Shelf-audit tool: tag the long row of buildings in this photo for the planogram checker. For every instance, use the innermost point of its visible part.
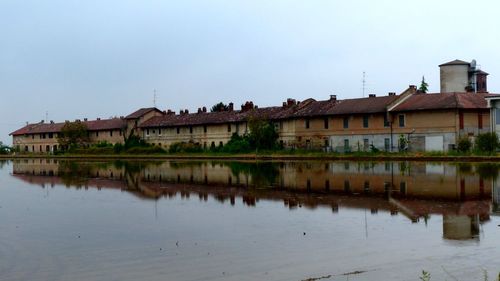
(427, 122)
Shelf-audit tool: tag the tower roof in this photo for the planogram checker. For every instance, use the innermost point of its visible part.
(455, 62)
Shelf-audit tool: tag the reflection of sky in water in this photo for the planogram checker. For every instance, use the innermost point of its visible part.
(111, 233)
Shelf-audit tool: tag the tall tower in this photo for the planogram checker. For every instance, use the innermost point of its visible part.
(461, 76)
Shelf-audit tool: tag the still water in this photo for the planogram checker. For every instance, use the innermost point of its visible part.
(202, 220)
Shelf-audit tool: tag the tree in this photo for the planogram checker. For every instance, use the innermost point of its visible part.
(424, 87)
(73, 134)
(262, 134)
(487, 142)
(219, 107)
(4, 149)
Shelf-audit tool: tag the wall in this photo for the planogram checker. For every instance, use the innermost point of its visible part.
(454, 78)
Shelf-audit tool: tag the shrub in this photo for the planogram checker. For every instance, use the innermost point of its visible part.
(118, 148)
(464, 144)
(180, 147)
(146, 150)
(487, 142)
(237, 144)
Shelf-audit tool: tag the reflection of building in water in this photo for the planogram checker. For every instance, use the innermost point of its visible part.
(416, 190)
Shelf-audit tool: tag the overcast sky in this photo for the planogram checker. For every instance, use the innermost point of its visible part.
(102, 58)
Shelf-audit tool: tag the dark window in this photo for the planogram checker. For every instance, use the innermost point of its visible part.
(402, 187)
(111, 133)
(347, 186)
(366, 187)
(33, 137)
(191, 129)
(479, 120)
(461, 120)
(365, 121)
(51, 135)
(346, 122)
(26, 148)
(96, 134)
(346, 144)
(178, 130)
(204, 128)
(120, 131)
(147, 132)
(401, 120)
(386, 120)
(307, 123)
(229, 127)
(325, 123)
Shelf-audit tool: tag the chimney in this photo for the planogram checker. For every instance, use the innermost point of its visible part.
(98, 119)
(231, 106)
(247, 106)
(85, 119)
(333, 97)
(204, 109)
(51, 121)
(392, 94)
(199, 110)
(43, 121)
(186, 111)
(371, 95)
(181, 112)
(413, 87)
(284, 104)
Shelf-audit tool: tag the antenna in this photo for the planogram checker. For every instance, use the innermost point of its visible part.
(46, 116)
(154, 97)
(364, 83)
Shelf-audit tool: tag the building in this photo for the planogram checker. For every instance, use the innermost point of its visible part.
(411, 120)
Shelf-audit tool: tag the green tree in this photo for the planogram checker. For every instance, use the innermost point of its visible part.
(4, 149)
(262, 134)
(424, 87)
(487, 142)
(219, 107)
(73, 134)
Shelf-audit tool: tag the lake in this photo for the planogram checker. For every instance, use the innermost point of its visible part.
(223, 220)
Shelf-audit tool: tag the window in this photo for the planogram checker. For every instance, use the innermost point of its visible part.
(26, 148)
(346, 122)
(401, 119)
(307, 123)
(308, 144)
(325, 123)
(147, 132)
(479, 121)
(386, 120)
(365, 121)
(228, 128)
(159, 132)
(120, 132)
(366, 187)
(178, 130)
(204, 128)
(366, 144)
(461, 119)
(387, 144)
(154, 131)
(51, 135)
(190, 129)
(96, 134)
(111, 133)
(347, 186)
(402, 187)
(32, 137)
(346, 144)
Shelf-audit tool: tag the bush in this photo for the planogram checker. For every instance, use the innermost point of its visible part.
(464, 144)
(180, 147)
(487, 142)
(118, 148)
(146, 150)
(237, 144)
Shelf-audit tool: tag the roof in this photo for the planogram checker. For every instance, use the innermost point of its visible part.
(92, 125)
(443, 101)
(455, 62)
(363, 105)
(141, 112)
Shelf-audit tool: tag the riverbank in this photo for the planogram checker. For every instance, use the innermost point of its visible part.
(271, 157)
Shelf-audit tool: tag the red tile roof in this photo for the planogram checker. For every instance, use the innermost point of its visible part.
(363, 105)
(140, 112)
(92, 125)
(443, 101)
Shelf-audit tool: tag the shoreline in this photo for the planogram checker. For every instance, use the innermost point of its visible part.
(259, 157)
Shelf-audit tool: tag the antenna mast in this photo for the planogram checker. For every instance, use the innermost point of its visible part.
(46, 116)
(154, 97)
(364, 83)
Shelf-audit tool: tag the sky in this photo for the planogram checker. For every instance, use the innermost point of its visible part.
(72, 59)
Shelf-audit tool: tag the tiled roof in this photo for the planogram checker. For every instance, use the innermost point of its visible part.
(139, 113)
(455, 62)
(443, 101)
(93, 125)
(362, 105)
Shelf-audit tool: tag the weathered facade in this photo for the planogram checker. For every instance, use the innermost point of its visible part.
(411, 120)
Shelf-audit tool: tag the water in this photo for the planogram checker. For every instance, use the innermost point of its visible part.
(197, 220)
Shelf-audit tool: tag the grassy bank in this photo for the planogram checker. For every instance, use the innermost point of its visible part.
(278, 155)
